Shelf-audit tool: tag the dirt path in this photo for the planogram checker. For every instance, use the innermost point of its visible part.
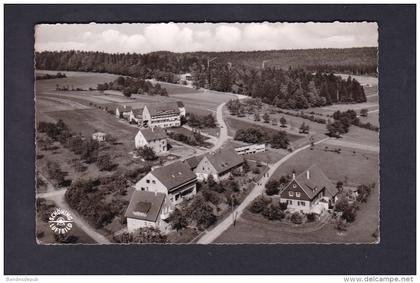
(58, 197)
(213, 234)
(353, 145)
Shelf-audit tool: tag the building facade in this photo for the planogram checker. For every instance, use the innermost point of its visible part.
(175, 180)
(163, 115)
(309, 192)
(154, 138)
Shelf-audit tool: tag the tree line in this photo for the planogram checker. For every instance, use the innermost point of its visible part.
(292, 88)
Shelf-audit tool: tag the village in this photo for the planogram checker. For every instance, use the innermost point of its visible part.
(197, 174)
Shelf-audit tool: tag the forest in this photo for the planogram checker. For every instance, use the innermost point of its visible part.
(292, 79)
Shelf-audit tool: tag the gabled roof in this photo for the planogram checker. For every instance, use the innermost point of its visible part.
(145, 205)
(138, 112)
(125, 108)
(174, 175)
(153, 134)
(224, 160)
(193, 161)
(163, 108)
(316, 182)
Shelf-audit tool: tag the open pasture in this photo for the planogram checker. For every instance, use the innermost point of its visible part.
(91, 120)
(84, 80)
(358, 167)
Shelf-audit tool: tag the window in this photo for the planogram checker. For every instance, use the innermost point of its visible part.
(298, 194)
(294, 186)
(153, 182)
(290, 202)
(302, 203)
(290, 193)
(148, 181)
(142, 188)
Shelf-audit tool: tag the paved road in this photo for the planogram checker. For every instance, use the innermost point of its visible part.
(223, 135)
(213, 234)
(57, 196)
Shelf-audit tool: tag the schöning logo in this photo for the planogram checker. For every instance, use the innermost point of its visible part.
(60, 221)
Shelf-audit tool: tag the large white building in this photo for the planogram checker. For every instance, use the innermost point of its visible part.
(175, 180)
(163, 115)
(154, 138)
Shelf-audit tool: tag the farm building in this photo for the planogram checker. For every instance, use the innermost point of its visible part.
(154, 137)
(175, 180)
(99, 136)
(249, 149)
(123, 111)
(163, 115)
(220, 164)
(136, 116)
(186, 79)
(147, 209)
(311, 191)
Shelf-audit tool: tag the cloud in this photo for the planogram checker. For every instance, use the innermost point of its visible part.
(175, 37)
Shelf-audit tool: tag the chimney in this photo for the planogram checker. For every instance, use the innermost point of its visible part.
(155, 193)
(293, 175)
(308, 175)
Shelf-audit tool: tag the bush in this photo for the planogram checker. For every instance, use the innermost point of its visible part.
(296, 218)
(147, 153)
(273, 212)
(272, 187)
(259, 204)
(311, 217)
(104, 163)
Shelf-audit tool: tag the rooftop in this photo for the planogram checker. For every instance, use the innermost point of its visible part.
(145, 205)
(153, 134)
(223, 160)
(163, 108)
(174, 174)
(313, 180)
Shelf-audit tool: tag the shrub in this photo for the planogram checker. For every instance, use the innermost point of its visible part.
(259, 204)
(311, 217)
(272, 187)
(296, 218)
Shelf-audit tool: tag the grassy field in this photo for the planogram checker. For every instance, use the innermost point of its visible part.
(356, 168)
(235, 124)
(359, 167)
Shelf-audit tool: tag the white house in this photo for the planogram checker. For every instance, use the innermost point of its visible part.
(311, 191)
(220, 164)
(147, 209)
(123, 111)
(186, 79)
(99, 136)
(163, 114)
(155, 138)
(175, 180)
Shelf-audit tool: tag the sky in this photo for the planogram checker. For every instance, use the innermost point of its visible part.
(188, 37)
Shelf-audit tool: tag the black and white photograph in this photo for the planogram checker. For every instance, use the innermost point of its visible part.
(247, 141)
(200, 133)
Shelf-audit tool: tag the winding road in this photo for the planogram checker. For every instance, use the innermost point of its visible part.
(213, 234)
(58, 197)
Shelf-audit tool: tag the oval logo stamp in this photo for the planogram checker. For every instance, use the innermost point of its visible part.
(60, 221)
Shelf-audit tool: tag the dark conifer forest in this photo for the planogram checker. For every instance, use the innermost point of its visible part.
(292, 79)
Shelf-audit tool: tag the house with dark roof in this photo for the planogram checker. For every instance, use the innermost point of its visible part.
(136, 116)
(147, 209)
(192, 162)
(162, 114)
(175, 180)
(155, 138)
(123, 111)
(311, 191)
(219, 164)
